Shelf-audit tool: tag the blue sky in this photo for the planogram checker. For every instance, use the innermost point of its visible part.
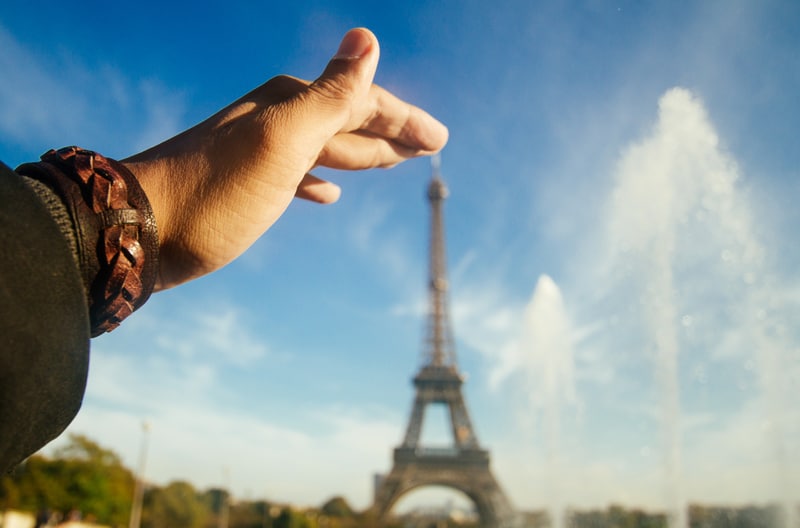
(621, 239)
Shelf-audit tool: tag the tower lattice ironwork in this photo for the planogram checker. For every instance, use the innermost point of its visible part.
(464, 465)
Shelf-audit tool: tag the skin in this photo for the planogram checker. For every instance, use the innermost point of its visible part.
(217, 187)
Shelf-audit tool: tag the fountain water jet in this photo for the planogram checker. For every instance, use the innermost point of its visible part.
(681, 234)
(548, 367)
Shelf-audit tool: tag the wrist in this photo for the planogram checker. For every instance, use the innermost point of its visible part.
(115, 230)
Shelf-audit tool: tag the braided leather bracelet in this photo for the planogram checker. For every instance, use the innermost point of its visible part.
(114, 227)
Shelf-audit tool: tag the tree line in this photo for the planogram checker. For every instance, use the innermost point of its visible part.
(84, 479)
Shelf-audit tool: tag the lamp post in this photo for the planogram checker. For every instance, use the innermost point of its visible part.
(224, 505)
(138, 490)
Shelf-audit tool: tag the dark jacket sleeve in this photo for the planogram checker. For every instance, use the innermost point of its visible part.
(44, 325)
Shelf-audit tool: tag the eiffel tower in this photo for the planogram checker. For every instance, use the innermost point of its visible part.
(464, 466)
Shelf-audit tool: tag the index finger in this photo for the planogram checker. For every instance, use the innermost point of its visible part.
(389, 117)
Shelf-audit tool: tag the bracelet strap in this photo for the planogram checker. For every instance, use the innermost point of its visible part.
(114, 226)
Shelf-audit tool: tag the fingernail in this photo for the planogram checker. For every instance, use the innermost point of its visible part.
(355, 45)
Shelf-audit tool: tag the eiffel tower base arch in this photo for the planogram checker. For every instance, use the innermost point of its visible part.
(464, 470)
(464, 466)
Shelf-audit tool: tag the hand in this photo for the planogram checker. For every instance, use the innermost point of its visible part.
(217, 187)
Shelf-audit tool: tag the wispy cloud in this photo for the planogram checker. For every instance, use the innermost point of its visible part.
(150, 362)
(68, 102)
(375, 238)
(173, 371)
(262, 457)
(219, 333)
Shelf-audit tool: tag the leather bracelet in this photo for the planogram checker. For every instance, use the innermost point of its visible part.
(114, 226)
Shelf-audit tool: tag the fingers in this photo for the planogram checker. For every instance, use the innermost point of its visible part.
(344, 99)
(326, 106)
(379, 113)
(345, 120)
(389, 132)
(384, 131)
(318, 190)
(387, 116)
(363, 150)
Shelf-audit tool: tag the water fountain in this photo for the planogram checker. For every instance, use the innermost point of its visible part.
(682, 230)
(688, 275)
(548, 366)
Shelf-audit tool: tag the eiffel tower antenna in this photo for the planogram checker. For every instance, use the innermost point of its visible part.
(464, 465)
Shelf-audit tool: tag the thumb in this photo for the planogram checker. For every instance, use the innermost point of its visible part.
(331, 100)
(357, 56)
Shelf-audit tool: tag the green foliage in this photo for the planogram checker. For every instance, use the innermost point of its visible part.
(289, 518)
(742, 517)
(177, 504)
(83, 477)
(215, 498)
(617, 517)
(337, 507)
(337, 513)
(86, 477)
(249, 514)
(81, 448)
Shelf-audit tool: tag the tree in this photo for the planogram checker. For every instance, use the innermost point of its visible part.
(177, 504)
(250, 514)
(82, 476)
(337, 507)
(97, 481)
(34, 485)
(289, 518)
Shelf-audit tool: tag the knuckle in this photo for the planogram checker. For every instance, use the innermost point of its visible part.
(333, 89)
